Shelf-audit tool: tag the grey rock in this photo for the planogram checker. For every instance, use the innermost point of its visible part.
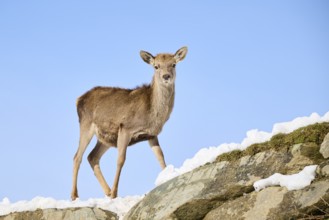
(194, 194)
(324, 149)
(254, 206)
(275, 203)
(325, 170)
(304, 154)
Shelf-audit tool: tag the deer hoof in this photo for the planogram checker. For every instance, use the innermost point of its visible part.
(114, 194)
(74, 197)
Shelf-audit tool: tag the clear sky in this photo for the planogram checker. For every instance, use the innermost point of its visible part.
(250, 64)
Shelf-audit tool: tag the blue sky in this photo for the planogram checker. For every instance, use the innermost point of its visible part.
(250, 64)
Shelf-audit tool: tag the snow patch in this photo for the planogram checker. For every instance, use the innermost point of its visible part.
(254, 136)
(120, 206)
(292, 182)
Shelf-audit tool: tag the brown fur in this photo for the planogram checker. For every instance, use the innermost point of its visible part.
(109, 108)
(122, 117)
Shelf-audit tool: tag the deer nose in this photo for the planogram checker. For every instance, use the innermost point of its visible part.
(166, 76)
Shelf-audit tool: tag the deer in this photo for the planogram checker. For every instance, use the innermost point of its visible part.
(121, 117)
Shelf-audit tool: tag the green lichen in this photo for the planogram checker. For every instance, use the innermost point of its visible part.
(231, 155)
(282, 142)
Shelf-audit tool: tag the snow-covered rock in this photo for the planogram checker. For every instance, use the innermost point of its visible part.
(225, 189)
(206, 155)
(103, 206)
(209, 188)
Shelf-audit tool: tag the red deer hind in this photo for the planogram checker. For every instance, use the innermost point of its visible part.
(122, 117)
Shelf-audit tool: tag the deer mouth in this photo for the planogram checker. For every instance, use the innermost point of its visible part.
(167, 82)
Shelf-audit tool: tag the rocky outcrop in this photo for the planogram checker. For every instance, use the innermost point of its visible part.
(224, 189)
(85, 213)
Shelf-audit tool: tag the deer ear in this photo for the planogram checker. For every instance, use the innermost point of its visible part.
(180, 54)
(147, 57)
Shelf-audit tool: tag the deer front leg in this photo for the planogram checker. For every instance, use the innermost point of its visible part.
(154, 143)
(122, 144)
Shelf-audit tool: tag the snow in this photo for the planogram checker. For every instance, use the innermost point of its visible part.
(120, 206)
(254, 136)
(205, 155)
(292, 182)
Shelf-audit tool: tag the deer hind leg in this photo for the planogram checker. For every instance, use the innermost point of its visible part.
(154, 143)
(122, 144)
(93, 158)
(86, 134)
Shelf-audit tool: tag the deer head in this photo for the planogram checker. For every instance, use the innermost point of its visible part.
(164, 65)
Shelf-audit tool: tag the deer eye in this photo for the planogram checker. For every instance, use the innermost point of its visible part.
(174, 65)
(157, 67)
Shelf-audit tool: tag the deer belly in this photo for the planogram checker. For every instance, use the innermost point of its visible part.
(140, 137)
(110, 137)
(107, 136)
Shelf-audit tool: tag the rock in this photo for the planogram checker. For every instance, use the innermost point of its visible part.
(275, 203)
(224, 189)
(253, 206)
(63, 214)
(304, 154)
(325, 170)
(194, 194)
(324, 149)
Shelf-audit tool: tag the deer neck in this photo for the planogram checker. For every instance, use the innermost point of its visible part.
(162, 102)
